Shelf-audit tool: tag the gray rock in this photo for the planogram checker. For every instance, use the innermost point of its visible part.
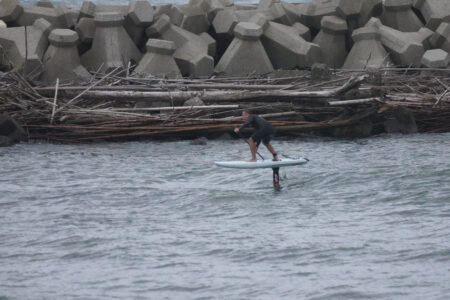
(361, 129)
(400, 120)
(196, 101)
(202, 141)
(320, 72)
(6, 141)
(11, 129)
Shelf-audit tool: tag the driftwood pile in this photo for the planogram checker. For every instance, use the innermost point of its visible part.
(115, 106)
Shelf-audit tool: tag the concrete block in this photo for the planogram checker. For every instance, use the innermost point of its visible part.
(140, 13)
(87, 10)
(212, 7)
(112, 47)
(369, 9)
(436, 58)
(332, 41)
(245, 6)
(402, 47)
(274, 10)
(64, 15)
(26, 56)
(224, 23)
(423, 36)
(316, 10)
(399, 15)
(10, 10)
(139, 16)
(302, 31)
(59, 17)
(189, 17)
(293, 12)
(160, 10)
(158, 61)
(285, 48)
(434, 12)
(367, 51)
(61, 60)
(194, 54)
(245, 15)
(246, 54)
(3, 24)
(119, 9)
(47, 4)
(441, 38)
(86, 30)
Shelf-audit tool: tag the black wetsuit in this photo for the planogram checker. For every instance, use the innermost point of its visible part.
(264, 130)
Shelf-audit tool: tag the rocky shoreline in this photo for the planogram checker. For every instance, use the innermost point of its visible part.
(346, 68)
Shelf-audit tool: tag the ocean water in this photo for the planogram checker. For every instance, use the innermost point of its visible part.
(364, 219)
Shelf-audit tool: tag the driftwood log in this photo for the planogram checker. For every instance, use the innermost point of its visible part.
(107, 108)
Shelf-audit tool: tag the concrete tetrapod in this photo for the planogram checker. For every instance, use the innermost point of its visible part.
(367, 52)
(331, 40)
(59, 17)
(286, 49)
(139, 17)
(158, 61)
(21, 54)
(316, 10)
(246, 54)
(434, 11)
(10, 10)
(112, 47)
(441, 38)
(436, 58)
(399, 15)
(194, 54)
(86, 31)
(190, 17)
(274, 11)
(404, 49)
(61, 60)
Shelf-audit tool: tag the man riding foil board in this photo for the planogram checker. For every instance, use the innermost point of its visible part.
(264, 131)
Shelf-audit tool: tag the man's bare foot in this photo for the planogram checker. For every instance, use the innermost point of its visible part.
(252, 160)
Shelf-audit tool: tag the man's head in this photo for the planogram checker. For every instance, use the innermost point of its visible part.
(245, 114)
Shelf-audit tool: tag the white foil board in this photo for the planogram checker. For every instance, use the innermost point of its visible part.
(285, 162)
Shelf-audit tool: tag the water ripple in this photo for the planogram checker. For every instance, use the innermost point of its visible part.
(363, 219)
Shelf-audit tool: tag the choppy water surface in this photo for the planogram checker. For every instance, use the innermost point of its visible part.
(364, 219)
